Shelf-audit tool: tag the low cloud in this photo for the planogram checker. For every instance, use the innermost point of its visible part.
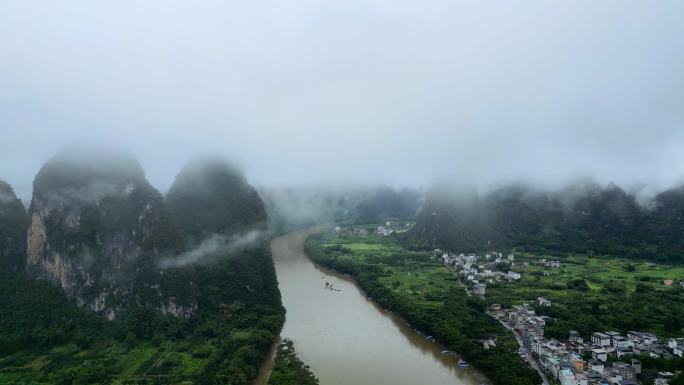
(297, 207)
(6, 197)
(214, 246)
(91, 192)
(357, 91)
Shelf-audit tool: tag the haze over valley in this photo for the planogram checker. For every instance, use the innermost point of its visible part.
(351, 192)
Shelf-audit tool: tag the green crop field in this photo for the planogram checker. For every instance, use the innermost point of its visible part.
(590, 293)
(419, 288)
(416, 276)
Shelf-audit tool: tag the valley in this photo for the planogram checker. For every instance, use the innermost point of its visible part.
(347, 338)
(424, 293)
(571, 293)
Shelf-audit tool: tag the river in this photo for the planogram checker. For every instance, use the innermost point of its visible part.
(347, 339)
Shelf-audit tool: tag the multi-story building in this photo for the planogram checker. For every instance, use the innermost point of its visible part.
(600, 339)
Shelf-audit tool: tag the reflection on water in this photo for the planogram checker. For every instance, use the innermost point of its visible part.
(346, 338)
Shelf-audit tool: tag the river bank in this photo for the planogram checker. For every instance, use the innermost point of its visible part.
(422, 291)
(348, 339)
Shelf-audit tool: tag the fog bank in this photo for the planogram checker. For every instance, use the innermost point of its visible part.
(358, 91)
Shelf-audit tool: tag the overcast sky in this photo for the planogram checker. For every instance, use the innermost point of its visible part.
(302, 91)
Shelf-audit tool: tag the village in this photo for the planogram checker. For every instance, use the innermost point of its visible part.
(493, 267)
(605, 358)
(390, 227)
(612, 354)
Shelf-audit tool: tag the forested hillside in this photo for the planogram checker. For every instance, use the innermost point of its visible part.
(13, 224)
(300, 207)
(586, 218)
(176, 319)
(209, 197)
(98, 230)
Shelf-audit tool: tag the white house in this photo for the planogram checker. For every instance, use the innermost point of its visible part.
(596, 366)
(513, 275)
(624, 351)
(621, 342)
(600, 339)
(543, 302)
(663, 378)
(678, 351)
(600, 355)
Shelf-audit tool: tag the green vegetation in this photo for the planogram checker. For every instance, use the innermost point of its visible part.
(584, 218)
(678, 380)
(598, 294)
(428, 296)
(289, 369)
(651, 366)
(13, 224)
(300, 207)
(46, 339)
(107, 226)
(227, 310)
(210, 197)
(384, 202)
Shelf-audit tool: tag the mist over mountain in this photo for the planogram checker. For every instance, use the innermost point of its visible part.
(209, 196)
(13, 224)
(355, 92)
(102, 261)
(302, 206)
(97, 229)
(584, 217)
(362, 135)
(219, 212)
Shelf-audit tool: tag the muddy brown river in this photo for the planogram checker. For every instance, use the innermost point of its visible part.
(347, 339)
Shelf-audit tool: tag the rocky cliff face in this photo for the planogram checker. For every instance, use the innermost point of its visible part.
(13, 222)
(97, 229)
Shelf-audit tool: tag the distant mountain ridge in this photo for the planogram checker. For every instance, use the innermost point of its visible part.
(299, 207)
(585, 218)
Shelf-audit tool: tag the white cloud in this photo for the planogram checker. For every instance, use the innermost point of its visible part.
(360, 90)
(215, 246)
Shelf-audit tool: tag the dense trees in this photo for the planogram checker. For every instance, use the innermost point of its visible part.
(300, 207)
(584, 218)
(459, 322)
(98, 229)
(288, 369)
(13, 224)
(382, 202)
(46, 338)
(210, 197)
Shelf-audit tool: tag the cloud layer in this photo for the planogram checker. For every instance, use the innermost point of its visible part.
(214, 247)
(354, 90)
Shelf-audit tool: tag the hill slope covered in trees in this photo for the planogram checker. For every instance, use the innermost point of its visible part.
(50, 335)
(586, 218)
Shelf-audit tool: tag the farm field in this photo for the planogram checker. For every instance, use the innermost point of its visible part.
(126, 365)
(590, 293)
(179, 361)
(417, 287)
